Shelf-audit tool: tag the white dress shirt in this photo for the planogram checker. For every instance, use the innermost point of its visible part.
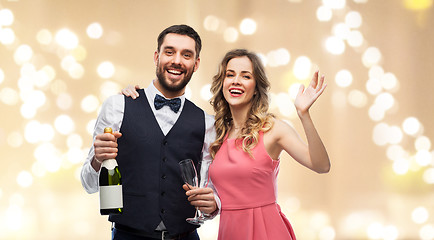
(111, 115)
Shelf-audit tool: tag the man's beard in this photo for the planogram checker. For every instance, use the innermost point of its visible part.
(165, 83)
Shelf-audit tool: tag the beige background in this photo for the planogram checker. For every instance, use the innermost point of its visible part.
(361, 198)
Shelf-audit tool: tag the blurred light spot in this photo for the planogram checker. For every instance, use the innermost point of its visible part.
(357, 98)
(230, 35)
(66, 38)
(334, 4)
(324, 14)
(76, 71)
(109, 88)
(35, 98)
(283, 103)
(23, 54)
(46, 132)
(376, 71)
(428, 176)
(24, 179)
(319, 220)
(419, 215)
(9, 96)
(64, 101)
(263, 58)
(335, 45)
(360, 1)
(418, 4)
(411, 126)
(44, 37)
(248, 26)
(278, 57)
(373, 86)
(75, 155)
(293, 90)
(90, 126)
(48, 156)
(46, 75)
(422, 143)
(344, 78)
(14, 216)
(390, 232)
(188, 93)
(327, 233)
(7, 36)
(211, 23)
(423, 158)
(106, 69)
(371, 56)
(74, 141)
(389, 81)
(31, 133)
(94, 30)
(67, 62)
(395, 135)
(385, 100)
(205, 92)
(6, 17)
(64, 124)
(353, 19)
(355, 38)
(89, 103)
(376, 112)
(292, 204)
(375, 230)
(79, 53)
(28, 111)
(15, 139)
(341, 30)
(2, 76)
(426, 232)
(401, 166)
(302, 67)
(395, 152)
(380, 135)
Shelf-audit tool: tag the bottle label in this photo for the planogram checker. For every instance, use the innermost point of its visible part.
(110, 197)
(110, 164)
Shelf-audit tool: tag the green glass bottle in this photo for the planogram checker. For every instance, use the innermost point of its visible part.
(110, 186)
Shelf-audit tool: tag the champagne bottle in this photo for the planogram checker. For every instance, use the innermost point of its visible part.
(110, 186)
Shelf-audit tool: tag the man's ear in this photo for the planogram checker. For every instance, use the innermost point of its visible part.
(196, 64)
(156, 57)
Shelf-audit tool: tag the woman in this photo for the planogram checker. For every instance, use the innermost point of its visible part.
(247, 149)
(248, 145)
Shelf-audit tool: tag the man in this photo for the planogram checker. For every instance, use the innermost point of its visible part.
(155, 134)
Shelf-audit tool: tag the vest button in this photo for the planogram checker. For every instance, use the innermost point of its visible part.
(165, 142)
(162, 193)
(164, 159)
(164, 176)
(163, 211)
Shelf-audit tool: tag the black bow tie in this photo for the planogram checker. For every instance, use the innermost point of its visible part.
(174, 103)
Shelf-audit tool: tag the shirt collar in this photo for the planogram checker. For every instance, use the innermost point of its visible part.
(151, 91)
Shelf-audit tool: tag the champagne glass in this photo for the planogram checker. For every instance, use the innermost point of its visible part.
(189, 175)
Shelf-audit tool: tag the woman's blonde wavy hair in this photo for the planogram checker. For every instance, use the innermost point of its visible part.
(258, 120)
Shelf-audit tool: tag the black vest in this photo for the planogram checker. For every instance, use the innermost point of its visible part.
(148, 162)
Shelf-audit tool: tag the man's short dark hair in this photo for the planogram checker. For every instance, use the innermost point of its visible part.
(182, 30)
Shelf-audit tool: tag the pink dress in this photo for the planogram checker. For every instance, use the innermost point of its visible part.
(247, 190)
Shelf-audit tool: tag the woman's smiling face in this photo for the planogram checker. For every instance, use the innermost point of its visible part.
(239, 84)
